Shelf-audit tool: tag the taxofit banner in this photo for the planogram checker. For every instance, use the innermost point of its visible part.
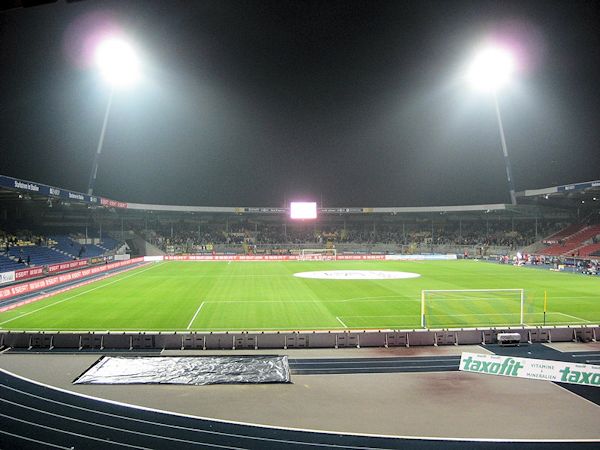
(535, 369)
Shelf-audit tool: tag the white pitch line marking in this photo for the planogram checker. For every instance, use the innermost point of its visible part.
(376, 299)
(77, 295)
(340, 321)
(194, 318)
(573, 317)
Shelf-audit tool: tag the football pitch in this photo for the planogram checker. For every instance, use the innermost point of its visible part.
(266, 296)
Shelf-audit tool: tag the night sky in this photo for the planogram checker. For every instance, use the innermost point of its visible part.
(256, 103)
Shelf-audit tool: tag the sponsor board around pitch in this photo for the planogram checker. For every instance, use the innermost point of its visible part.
(61, 267)
(7, 277)
(534, 369)
(112, 203)
(432, 257)
(31, 272)
(228, 257)
(31, 286)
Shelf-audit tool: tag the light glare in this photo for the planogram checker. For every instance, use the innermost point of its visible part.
(118, 62)
(491, 69)
(303, 210)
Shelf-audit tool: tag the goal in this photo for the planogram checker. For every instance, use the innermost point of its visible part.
(454, 308)
(317, 254)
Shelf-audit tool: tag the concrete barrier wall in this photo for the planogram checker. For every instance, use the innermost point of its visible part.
(283, 340)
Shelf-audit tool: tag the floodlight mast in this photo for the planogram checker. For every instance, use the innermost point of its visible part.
(507, 165)
(491, 69)
(119, 66)
(94, 172)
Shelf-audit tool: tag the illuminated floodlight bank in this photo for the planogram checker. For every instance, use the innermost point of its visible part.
(118, 61)
(492, 68)
(303, 210)
(119, 65)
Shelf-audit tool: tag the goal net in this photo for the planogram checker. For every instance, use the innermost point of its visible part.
(471, 308)
(317, 254)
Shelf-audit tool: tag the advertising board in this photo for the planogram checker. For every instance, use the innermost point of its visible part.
(7, 277)
(229, 257)
(535, 369)
(31, 272)
(32, 286)
(69, 265)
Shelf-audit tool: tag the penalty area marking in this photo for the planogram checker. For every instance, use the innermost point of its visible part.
(340, 321)
(574, 317)
(195, 315)
(555, 322)
(383, 298)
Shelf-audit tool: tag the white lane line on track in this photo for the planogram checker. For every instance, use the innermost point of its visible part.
(77, 295)
(194, 318)
(392, 361)
(356, 369)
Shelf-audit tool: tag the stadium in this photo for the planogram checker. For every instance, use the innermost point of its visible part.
(149, 324)
(218, 286)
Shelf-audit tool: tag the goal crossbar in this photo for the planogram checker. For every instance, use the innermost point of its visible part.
(519, 292)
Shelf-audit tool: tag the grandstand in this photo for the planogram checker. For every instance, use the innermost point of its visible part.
(589, 250)
(7, 263)
(553, 223)
(53, 249)
(79, 242)
(349, 323)
(38, 255)
(545, 222)
(572, 240)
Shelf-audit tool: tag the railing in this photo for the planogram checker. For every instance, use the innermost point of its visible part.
(289, 340)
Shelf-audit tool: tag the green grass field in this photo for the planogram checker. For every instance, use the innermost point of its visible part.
(220, 296)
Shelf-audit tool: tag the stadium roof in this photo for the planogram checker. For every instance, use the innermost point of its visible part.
(565, 197)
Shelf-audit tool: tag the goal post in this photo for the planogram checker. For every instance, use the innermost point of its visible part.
(318, 254)
(448, 308)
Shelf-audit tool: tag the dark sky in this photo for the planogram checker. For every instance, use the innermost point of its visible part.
(253, 103)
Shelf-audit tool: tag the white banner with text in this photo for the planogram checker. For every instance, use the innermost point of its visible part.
(536, 369)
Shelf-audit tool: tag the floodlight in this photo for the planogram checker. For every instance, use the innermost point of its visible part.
(117, 61)
(120, 66)
(491, 68)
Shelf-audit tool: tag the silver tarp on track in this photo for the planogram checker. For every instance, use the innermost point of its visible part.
(194, 370)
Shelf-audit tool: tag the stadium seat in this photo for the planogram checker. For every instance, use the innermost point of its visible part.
(572, 240)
